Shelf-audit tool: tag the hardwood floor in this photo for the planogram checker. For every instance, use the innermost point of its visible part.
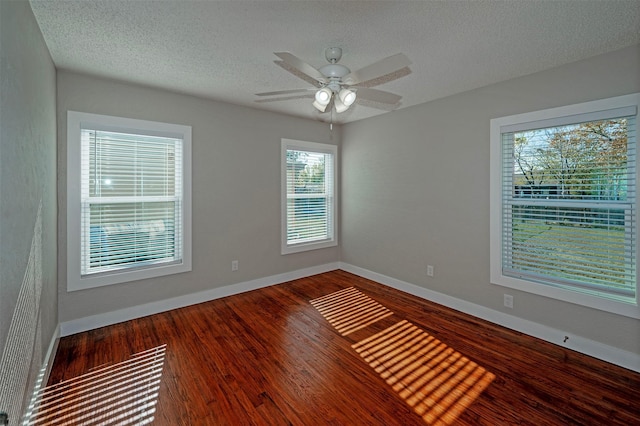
(332, 349)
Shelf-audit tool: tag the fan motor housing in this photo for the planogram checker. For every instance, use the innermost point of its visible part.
(334, 70)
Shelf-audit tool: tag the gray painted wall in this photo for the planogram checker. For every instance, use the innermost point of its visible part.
(415, 191)
(27, 181)
(236, 190)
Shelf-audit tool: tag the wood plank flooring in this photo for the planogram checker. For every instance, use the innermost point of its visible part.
(332, 349)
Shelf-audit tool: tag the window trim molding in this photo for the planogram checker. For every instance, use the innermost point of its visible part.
(497, 127)
(287, 144)
(75, 122)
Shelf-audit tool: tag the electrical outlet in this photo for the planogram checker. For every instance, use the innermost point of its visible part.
(508, 301)
(234, 265)
(430, 270)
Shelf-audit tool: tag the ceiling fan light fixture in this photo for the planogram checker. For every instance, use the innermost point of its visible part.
(339, 105)
(319, 106)
(348, 97)
(323, 97)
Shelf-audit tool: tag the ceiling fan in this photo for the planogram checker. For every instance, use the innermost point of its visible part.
(338, 84)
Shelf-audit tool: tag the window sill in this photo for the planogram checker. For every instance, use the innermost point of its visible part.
(297, 248)
(118, 277)
(609, 304)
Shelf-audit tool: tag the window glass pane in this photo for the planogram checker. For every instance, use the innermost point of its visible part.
(122, 234)
(586, 161)
(306, 172)
(131, 165)
(307, 219)
(585, 246)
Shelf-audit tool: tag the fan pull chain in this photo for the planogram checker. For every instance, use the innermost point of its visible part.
(331, 126)
(331, 123)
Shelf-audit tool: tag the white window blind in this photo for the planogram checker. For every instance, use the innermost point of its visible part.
(309, 192)
(128, 199)
(569, 203)
(131, 200)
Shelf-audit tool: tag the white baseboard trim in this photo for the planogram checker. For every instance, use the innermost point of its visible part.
(50, 356)
(589, 347)
(109, 318)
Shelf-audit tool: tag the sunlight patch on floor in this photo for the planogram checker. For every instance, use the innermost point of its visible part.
(437, 381)
(125, 393)
(349, 310)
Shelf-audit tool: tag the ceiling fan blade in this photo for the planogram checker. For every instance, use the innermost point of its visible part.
(377, 69)
(376, 95)
(284, 98)
(285, 92)
(302, 66)
(295, 71)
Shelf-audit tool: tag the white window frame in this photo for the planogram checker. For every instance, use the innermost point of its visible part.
(332, 239)
(76, 121)
(548, 118)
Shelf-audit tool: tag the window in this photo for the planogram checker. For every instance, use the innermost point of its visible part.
(308, 196)
(128, 199)
(563, 208)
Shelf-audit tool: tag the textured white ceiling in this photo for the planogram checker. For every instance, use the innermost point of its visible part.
(223, 50)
